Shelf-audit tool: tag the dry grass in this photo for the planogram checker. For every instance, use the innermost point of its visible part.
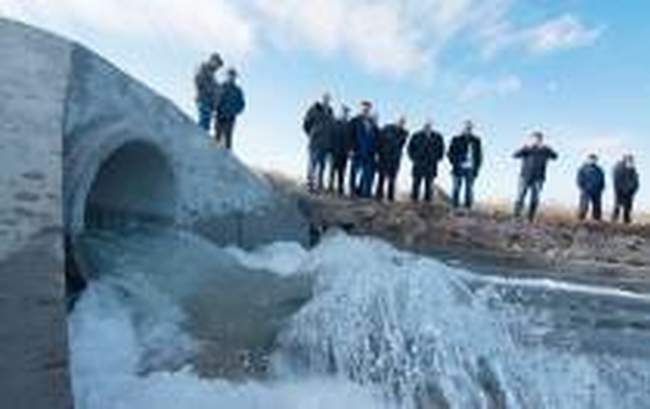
(566, 217)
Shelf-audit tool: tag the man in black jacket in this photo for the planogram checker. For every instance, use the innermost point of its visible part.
(591, 181)
(466, 157)
(626, 185)
(317, 124)
(340, 148)
(425, 149)
(389, 156)
(535, 157)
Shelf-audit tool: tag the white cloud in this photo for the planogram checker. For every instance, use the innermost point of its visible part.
(394, 37)
(204, 24)
(561, 33)
(480, 88)
(370, 33)
(389, 37)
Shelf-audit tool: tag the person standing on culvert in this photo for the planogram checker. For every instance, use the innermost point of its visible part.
(626, 185)
(362, 171)
(466, 157)
(207, 90)
(426, 149)
(390, 146)
(591, 181)
(340, 148)
(317, 124)
(534, 158)
(230, 104)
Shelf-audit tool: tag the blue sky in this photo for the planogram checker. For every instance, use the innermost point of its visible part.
(575, 69)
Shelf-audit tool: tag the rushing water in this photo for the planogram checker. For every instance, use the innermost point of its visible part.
(352, 323)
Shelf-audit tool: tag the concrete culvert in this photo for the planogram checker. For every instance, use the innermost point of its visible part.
(135, 183)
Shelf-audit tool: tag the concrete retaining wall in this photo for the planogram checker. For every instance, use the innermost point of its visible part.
(83, 145)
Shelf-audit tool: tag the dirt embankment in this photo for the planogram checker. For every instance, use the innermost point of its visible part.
(491, 240)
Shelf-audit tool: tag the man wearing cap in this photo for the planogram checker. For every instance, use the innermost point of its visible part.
(229, 105)
(207, 90)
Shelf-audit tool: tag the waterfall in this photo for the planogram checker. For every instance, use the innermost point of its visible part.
(173, 321)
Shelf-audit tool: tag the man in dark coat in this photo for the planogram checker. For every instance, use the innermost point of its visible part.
(340, 149)
(626, 185)
(466, 157)
(426, 149)
(389, 156)
(534, 158)
(317, 124)
(365, 133)
(230, 105)
(207, 90)
(591, 181)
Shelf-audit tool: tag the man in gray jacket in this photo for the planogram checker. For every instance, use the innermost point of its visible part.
(207, 90)
(534, 158)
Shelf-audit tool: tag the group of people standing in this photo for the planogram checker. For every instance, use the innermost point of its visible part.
(590, 181)
(218, 104)
(373, 155)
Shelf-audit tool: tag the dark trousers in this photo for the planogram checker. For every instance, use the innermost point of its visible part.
(535, 189)
(315, 168)
(367, 177)
(223, 130)
(593, 201)
(353, 177)
(362, 176)
(463, 177)
(338, 166)
(205, 115)
(385, 182)
(418, 181)
(625, 203)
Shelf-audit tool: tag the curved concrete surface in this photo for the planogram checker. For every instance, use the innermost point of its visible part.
(84, 145)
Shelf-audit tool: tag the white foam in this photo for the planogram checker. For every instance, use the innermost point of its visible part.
(383, 326)
(282, 258)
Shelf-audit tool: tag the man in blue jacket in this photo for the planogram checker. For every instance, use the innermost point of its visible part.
(534, 158)
(229, 105)
(365, 132)
(466, 157)
(591, 181)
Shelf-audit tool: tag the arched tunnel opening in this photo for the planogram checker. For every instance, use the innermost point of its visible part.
(135, 183)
